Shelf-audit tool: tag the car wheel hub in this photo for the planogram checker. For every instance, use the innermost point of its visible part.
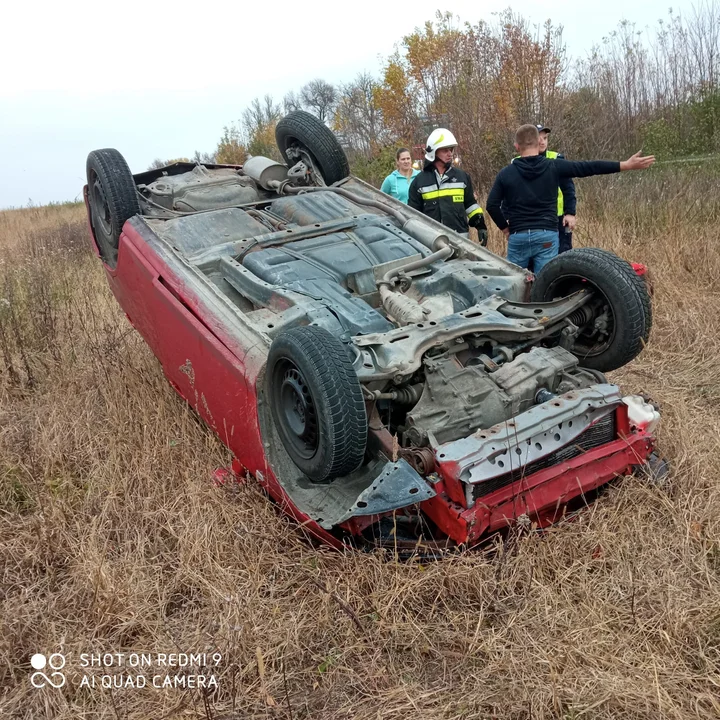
(597, 331)
(298, 412)
(102, 209)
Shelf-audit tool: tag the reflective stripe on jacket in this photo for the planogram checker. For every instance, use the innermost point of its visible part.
(449, 200)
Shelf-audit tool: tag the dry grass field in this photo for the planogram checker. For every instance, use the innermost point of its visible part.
(113, 537)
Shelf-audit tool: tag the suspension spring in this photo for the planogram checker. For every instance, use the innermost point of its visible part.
(581, 316)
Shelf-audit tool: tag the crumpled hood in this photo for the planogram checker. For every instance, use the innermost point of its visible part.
(531, 167)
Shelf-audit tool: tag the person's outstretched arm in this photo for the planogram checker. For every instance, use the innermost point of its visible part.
(586, 168)
(635, 162)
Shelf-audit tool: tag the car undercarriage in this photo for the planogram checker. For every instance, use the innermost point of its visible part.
(393, 370)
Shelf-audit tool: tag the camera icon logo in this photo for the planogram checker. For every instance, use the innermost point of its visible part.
(56, 662)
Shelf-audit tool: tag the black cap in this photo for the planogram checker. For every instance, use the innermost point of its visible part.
(543, 128)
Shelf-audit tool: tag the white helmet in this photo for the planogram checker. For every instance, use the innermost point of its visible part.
(439, 138)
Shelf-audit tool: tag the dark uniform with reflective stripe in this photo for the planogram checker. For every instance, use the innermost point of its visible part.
(448, 199)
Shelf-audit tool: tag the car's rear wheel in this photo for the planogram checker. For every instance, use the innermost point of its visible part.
(316, 402)
(300, 135)
(640, 282)
(112, 197)
(617, 322)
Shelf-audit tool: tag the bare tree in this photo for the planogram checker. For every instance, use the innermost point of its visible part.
(319, 97)
(203, 158)
(258, 127)
(358, 117)
(658, 88)
(260, 115)
(662, 91)
(291, 102)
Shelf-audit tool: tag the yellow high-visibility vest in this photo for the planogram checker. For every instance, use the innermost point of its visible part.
(552, 155)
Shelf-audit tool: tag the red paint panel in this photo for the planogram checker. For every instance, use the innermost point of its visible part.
(454, 488)
(447, 515)
(199, 366)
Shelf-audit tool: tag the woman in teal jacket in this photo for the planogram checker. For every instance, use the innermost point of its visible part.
(397, 183)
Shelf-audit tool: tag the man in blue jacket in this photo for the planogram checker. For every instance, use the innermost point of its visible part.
(523, 199)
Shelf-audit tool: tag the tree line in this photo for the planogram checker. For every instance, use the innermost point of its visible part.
(656, 89)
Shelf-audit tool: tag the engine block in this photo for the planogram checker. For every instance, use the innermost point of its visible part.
(458, 400)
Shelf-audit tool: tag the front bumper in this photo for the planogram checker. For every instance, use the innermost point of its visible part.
(541, 496)
(478, 494)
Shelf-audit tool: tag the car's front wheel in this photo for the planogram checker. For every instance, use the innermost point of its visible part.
(615, 324)
(316, 402)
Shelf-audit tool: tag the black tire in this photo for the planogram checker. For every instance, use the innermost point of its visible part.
(316, 402)
(302, 128)
(617, 288)
(642, 289)
(113, 199)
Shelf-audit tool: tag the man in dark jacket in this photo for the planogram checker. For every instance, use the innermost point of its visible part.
(566, 202)
(444, 192)
(523, 199)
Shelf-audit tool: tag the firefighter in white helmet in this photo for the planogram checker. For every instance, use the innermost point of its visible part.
(443, 191)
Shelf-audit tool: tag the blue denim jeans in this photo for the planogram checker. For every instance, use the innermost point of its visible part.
(540, 246)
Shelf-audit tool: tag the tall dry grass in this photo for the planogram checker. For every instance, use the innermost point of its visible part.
(114, 539)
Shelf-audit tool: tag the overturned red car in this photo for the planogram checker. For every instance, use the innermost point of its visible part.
(385, 379)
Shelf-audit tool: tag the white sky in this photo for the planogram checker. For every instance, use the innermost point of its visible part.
(161, 79)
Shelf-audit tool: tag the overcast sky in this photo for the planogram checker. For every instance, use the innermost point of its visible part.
(158, 79)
